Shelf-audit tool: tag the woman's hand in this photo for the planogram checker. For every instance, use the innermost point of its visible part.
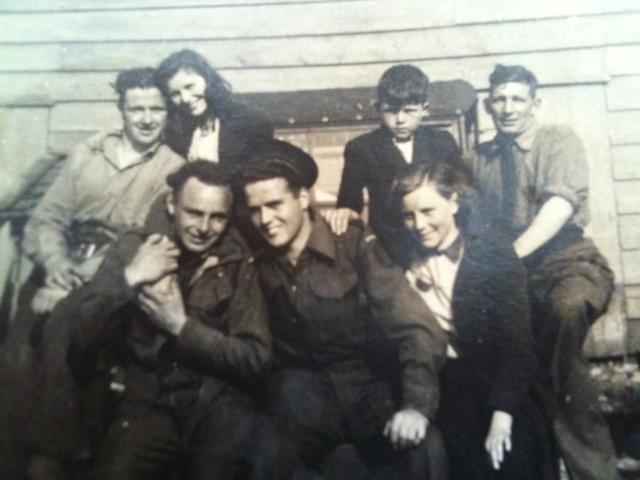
(498, 440)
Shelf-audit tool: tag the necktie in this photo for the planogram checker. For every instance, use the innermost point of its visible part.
(509, 177)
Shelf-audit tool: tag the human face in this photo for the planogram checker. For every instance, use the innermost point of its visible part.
(144, 113)
(276, 212)
(403, 121)
(430, 217)
(512, 107)
(187, 92)
(201, 213)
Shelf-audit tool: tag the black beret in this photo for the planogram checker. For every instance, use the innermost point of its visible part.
(280, 159)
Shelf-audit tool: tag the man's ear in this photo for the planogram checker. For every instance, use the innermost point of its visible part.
(305, 198)
(170, 203)
(455, 199)
(487, 105)
(537, 102)
(425, 106)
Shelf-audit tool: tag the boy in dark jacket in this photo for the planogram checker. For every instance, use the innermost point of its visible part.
(374, 159)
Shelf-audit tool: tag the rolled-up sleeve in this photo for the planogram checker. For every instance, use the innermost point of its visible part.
(566, 173)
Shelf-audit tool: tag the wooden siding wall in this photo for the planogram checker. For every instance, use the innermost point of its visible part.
(57, 58)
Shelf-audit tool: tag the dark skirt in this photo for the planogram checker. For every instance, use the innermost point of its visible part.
(464, 419)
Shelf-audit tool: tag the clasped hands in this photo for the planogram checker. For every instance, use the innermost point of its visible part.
(153, 271)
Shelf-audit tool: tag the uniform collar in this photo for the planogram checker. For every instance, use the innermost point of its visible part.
(322, 240)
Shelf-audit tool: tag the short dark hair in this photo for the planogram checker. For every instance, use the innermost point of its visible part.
(217, 91)
(133, 78)
(449, 177)
(206, 172)
(513, 73)
(403, 85)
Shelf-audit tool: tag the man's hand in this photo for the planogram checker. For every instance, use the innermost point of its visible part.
(66, 277)
(498, 440)
(163, 302)
(339, 219)
(406, 428)
(155, 258)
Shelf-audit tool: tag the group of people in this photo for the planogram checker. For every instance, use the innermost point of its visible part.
(197, 317)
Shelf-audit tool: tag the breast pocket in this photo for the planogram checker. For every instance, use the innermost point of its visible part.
(210, 297)
(333, 304)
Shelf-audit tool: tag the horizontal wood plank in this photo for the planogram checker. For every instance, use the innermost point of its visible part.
(629, 226)
(623, 59)
(623, 93)
(623, 127)
(633, 310)
(74, 5)
(626, 162)
(16, 58)
(623, 29)
(631, 267)
(472, 11)
(225, 22)
(556, 68)
(23, 133)
(628, 196)
(461, 41)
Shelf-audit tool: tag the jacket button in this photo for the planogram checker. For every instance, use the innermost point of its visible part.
(293, 288)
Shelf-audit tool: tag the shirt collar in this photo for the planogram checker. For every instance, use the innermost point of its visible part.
(321, 240)
(524, 141)
(110, 148)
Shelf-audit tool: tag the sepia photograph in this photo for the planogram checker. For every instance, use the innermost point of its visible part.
(319, 240)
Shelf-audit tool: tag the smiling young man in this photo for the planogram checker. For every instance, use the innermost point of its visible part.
(331, 300)
(373, 160)
(183, 312)
(533, 180)
(108, 183)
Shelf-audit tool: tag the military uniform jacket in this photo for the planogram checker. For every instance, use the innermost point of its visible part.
(225, 340)
(342, 290)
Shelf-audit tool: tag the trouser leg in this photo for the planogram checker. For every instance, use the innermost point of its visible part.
(142, 443)
(232, 441)
(56, 430)
(302, 405)
(562, 325)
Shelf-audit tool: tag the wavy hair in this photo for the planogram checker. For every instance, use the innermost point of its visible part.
(218, 90)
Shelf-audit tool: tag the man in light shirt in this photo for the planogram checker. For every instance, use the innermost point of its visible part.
(108, 183)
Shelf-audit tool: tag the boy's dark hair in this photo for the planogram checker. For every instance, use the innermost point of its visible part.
(448, 177)
(206, 172)
(513, 73)
(217, 91)
(402, 85)
(133, 78)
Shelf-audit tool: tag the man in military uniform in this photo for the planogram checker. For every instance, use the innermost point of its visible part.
(180, 310)
(335, 302)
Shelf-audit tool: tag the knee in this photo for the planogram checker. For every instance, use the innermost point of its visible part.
(569, 310)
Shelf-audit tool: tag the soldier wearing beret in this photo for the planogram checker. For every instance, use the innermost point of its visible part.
(336, 303)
